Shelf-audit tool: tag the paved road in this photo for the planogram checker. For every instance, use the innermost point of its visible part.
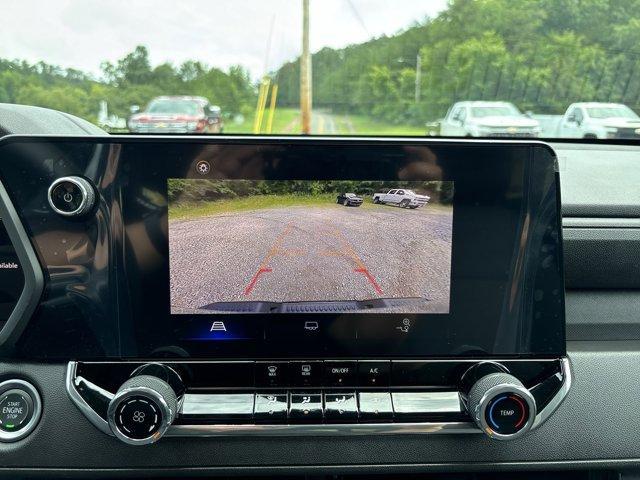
(550, 124)
(327, 253)
(323, 123)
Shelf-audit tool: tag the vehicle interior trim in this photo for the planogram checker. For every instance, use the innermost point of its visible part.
(97, 421)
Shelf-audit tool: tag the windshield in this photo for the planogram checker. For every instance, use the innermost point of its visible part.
(480, 112)
(330, 67)
(174, 107)
(611, 112)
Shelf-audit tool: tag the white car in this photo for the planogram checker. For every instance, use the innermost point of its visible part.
(402, 198)
(599, 120)
(488, 119)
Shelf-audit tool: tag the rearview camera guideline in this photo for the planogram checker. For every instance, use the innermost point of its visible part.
(243, 246)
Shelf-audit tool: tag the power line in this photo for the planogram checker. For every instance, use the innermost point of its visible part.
(356, 13)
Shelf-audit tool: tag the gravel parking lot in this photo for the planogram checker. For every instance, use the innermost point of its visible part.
(296, 254)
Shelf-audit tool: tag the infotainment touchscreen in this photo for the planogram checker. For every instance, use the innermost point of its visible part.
(290, 246)
(262, 248)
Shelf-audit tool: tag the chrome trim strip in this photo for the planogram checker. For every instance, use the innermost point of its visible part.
(322, 430)
(99, 422)
(567, 380)
(218, 404)
(426, 402)
(33, 276)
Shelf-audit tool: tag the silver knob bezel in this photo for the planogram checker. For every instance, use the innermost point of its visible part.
(37, 409)
(167, 415)
(88, 196)
(492, 393)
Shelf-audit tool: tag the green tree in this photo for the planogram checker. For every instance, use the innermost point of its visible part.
(134, 68)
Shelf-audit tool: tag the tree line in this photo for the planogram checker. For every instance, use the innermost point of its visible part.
(541, 55)
(129, 81)
(197, 190)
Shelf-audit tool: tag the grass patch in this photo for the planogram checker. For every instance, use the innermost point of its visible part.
(187, 211)
(285, 121)
(257, 202)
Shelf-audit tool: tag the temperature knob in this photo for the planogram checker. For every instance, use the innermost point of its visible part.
(501, 406)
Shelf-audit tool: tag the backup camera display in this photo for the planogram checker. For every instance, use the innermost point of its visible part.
(240, 246)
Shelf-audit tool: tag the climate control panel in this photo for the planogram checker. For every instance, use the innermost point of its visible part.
(140, 402)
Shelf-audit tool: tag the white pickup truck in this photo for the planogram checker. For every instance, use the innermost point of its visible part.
(487, 119)
(599, 120)
(402, 198)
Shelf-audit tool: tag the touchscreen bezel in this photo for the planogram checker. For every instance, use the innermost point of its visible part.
(500, 186)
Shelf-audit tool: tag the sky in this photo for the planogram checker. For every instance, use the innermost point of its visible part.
(83, 33)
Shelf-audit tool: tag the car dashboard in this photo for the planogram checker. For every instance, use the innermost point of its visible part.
(169, 310)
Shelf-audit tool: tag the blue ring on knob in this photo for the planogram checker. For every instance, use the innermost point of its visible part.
(495, 402)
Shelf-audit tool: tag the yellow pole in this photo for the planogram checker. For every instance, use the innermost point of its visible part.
(257, 120)
(272, 107)
(267, 83)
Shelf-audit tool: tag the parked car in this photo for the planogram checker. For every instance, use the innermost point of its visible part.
(487, 119)
(599, 120)
(177, 114)
(401, 197)
(349, 200)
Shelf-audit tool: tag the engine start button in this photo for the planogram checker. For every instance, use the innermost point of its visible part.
(16, 409)
(507, 414)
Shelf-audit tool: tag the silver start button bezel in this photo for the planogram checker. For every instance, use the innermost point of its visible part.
(27, 428)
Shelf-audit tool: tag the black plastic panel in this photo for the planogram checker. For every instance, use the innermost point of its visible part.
(602, 257)
(603, 315)
(202, 376)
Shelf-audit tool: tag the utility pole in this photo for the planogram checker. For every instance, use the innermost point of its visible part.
(305, 72)
(418, 77)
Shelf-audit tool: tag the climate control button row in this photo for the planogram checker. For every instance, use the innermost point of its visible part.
(329, 373)
(321, 407)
